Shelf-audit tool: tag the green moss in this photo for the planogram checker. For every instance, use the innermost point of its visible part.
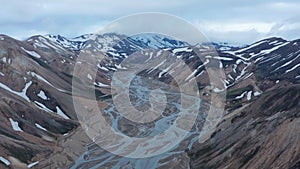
(234, 106)
(24, 155)
(237, 92)
(259, 74)
(283, 100)
(250, 155)
(40, 62)
(204, 151)
(101, 96)
(6, 133)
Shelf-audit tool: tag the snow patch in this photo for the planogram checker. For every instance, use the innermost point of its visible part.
(61, 113)
(249, 47)
(191, 75)
(32, 53)
(249, 94)
(293, 68)
(4, 59)
(114, 54)
(287, 63)
(39, 45)
(89, 76)
(258, 59)
(42, 95)
(5, 161)
(152, 69)
(54, 46)
(221, 65)
(185, 49)
(222, 58)
(15, 125)
(249, 75)
(43, 107)
(257, 93)
(274, 42)
(150, 57)
(243, 72)
(99, 84)
(102, 68)
(240, 96)
(32, 164)
(268, 51)
(21, 94)
(44, 80)
(120, 67)
(217, 90)
(164, 71)
(40, 127)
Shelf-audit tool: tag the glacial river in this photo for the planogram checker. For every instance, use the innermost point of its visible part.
(96, 157)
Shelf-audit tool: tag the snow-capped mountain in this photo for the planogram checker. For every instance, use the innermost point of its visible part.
(140, 41)
(73, 44)
(40, 127)
(158, 41)
(273, 58)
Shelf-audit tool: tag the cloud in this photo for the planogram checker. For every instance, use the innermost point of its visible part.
(160, 23)
(234, 32)
(288, 29)
(237, 21)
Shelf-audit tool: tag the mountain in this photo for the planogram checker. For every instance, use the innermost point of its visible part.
(140, 40)
(40, 129)
(260, 134)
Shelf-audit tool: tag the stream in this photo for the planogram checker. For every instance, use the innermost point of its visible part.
(139, 93)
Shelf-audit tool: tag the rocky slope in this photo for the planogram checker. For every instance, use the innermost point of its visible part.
(261, 134)
(40, 129)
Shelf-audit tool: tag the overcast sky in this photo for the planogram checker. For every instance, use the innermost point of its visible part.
(233, 21)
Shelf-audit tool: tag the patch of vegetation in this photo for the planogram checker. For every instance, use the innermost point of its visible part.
(237, 92)
(203, 151)
(23, 154)
(288, 99)
(237, 117)
(260, 74)
(250, 155)
(101, 96)
(6, 133)
(215, 133)
(40, 62)
(226, 148)
(268, 103)
(296, 166)
(234, 106)
(200, 86)
(60, 126)
(68, 75)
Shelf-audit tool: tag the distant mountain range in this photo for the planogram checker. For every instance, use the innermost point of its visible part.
(40, 129)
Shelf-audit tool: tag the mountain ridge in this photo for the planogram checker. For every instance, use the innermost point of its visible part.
(36, 96)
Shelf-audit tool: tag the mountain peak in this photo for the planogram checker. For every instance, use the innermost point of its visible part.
(270, 39)
(158, 41)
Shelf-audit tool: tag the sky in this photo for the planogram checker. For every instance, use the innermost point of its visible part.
(231, 21)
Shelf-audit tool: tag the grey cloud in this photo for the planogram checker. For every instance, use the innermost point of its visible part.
(71, 18)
